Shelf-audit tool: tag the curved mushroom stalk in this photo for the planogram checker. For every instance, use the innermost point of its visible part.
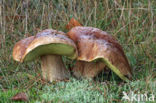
(53, 68)
(50, 45)
(95, 44)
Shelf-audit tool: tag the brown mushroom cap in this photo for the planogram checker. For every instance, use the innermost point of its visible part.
(95, 44)
(20, 47)
(48, 41)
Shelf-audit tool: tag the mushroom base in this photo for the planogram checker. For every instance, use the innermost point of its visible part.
(53, 68)
(87, 69)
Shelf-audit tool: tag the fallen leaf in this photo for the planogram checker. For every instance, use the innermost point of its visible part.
(72, 23)
(20, 97)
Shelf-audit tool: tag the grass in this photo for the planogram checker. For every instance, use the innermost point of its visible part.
(133, 23)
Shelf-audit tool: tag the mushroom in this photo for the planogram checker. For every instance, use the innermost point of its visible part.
(96, 45)
(50, 45)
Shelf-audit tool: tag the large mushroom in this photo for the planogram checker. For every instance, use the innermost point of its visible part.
(96, 45)
(50, 45)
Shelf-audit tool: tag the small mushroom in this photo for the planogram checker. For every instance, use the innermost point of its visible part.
(50, 45)
(96, 45)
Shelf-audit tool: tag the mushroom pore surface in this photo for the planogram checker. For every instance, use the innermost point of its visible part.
(53, 49)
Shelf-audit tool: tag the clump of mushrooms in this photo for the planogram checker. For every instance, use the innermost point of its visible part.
(91, 43)
(50, 45)
(96, 45)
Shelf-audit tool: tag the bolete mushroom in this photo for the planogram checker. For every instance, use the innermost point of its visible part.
(50, 45)
(96, 45)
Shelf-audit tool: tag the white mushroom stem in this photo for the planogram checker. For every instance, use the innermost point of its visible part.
(53, 68)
